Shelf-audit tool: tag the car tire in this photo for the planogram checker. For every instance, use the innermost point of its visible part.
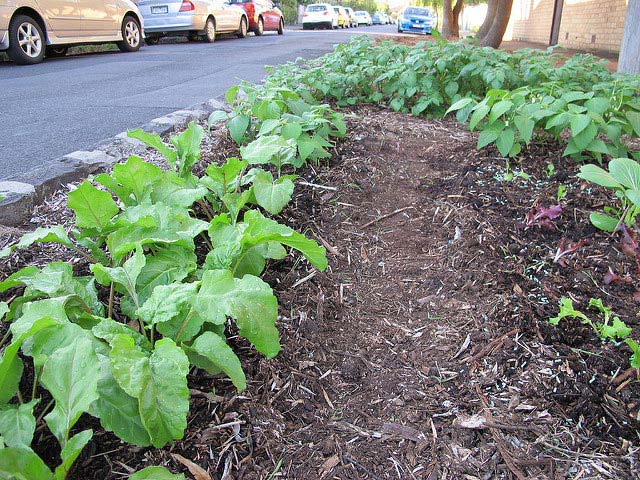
(260, 27)
(210, 30)
(152, 40)
(281, 26)
(56, 52)
(242, 30)
(131, 35)
(23, 27)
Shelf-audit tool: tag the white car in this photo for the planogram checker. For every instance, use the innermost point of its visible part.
(194, 18)
(364, 18)
(31, 29)
(319, 15)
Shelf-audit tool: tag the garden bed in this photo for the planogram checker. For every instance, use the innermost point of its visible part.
(433, 318)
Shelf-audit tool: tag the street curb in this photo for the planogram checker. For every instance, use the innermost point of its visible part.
(25, 191)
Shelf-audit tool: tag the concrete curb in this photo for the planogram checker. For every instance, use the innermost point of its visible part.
(22, 192)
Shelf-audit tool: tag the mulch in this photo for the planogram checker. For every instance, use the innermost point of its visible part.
(424, 351)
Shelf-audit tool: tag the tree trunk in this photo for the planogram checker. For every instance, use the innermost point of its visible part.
(629, 59)
(493, 38)
(451, 19)
(492, 5)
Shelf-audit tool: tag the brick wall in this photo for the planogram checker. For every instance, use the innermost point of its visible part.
(594, 25)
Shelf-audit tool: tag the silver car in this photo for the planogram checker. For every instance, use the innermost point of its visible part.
(194, 18)
(31, 29)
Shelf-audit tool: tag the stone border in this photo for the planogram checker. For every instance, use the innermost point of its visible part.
(23, 192)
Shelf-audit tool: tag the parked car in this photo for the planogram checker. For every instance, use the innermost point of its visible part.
(343, 17)
(33, 29)
(264, 15)
(319, 15)
(194, 18)
(363, 18)
(353, 20)
(387, 19)
(417, 20)
(377, 19)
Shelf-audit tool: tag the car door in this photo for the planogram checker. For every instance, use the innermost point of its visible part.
(100, 19)
(62, 18)
(222, 14)
(272, 16)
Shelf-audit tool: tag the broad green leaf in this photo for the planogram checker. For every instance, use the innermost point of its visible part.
(19, 278)
(268, 149)
(4, 309)
(164, 399)
(168, 309)
(108, 329)
(35, 312)
(154, 141)
(499, 109)
(463, 102)
(479, 112)
(187, 145)
(47, 341)
(129, 365)
(17, 424)
(594, 174)
(217, 116)
(231, 94)
(626, 171)
(131, 181)
(583, 139)
(634, 196)
(617, 330)
(505, 142)
(578, 123)
(219, 178)
(210, 352)
(156, 473)
(525, 126)
(20, 463)
(270, 195)
(634, 120)
(291, 131)
(168, 264)
(238, 126)
(604, 222)
(248, 300)
(93, 208)
(70, 453)
(70, 375)
(489, 135)
(118, 411)
(55, 234)
(635, 348)
(124, 276)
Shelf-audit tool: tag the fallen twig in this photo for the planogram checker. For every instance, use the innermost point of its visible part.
(387, 215)
(490, 346)
(360, 467)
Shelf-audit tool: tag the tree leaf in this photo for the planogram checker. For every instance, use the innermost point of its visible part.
(93, 208)
(70, 375)
(71, 451)
(270, 195)
(17, 424)
(248, 300)
(210, 352)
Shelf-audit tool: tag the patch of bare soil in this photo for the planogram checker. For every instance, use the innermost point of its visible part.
(424, 352)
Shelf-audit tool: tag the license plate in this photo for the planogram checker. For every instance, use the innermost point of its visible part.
(417, 25)
(160, 10)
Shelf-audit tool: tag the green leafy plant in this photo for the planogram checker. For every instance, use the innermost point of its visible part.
(623, 178)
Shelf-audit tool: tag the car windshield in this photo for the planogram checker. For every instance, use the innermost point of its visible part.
(336, 9)
(316, 8)
(424, 12)
(236, 2)
(361, 14)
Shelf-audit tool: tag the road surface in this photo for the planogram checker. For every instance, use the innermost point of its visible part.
(72, 103)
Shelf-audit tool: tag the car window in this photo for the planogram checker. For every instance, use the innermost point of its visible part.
(316, 8)
(418, 11)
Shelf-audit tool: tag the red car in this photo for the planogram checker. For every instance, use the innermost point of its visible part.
(263, 15)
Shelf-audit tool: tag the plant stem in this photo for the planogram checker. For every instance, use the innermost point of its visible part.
(36, 377)
(110, 306)
(206, 240)
(44, 412)
(207, 209)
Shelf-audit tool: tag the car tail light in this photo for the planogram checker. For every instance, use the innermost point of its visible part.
(187, 6)
(305, 14)
(326, 13)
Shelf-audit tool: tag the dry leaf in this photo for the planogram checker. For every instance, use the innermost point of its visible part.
(197, 471)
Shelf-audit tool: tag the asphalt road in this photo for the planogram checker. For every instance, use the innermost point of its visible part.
(72, 103)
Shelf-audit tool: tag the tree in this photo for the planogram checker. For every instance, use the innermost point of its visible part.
(451, 18)
(492, 5)
(499, 21)
(629, 59)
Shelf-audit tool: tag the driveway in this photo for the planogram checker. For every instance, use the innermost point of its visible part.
(72, 103)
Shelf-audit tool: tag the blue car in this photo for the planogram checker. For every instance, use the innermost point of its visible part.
(416, 20)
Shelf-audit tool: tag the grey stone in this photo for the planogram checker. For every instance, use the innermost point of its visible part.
(92, 159)
(18, 202)
(18, 188)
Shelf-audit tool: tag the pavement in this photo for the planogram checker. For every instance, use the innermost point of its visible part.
(72, 103)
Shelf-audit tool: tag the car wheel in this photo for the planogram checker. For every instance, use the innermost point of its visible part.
(131, 37)
(242, 31)
(152, 40)
(210, 30)
(53, 52)
(260, 28)
(281, 27)
(26, 41)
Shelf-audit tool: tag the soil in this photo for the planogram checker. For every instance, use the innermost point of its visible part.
(424, 351)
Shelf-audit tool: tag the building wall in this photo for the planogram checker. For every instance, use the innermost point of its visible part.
(594, 25)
